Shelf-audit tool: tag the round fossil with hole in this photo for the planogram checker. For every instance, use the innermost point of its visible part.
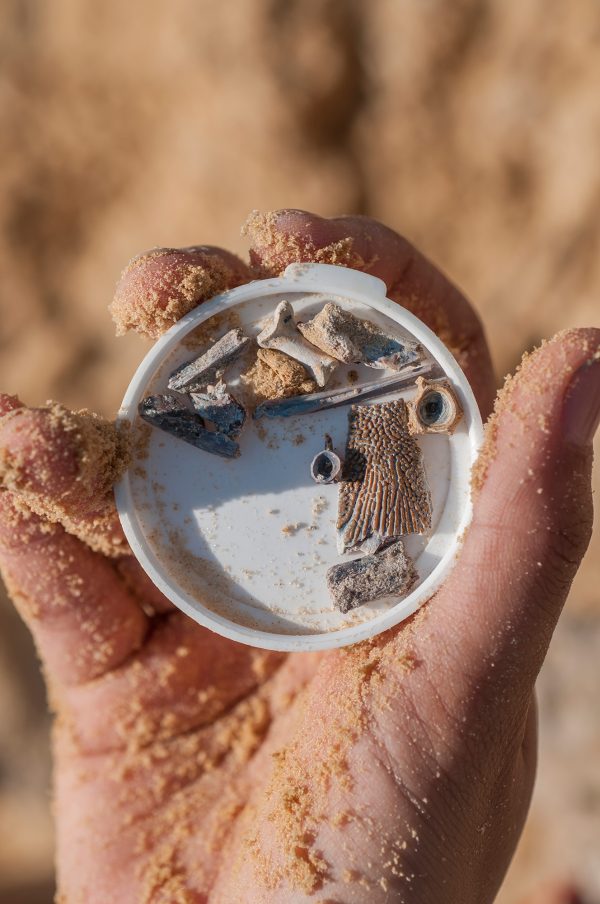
(435, 407)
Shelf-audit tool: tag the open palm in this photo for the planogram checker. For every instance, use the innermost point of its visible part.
(192, 769)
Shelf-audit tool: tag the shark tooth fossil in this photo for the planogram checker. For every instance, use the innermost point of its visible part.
(195, 375)
(172, 415)
(388, 573)
(383, 489)
(355, 341)
(282, 334)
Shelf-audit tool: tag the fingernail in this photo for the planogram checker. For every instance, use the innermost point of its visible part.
(581, 407)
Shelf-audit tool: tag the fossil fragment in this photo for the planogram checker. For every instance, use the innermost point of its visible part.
(320, 401)
(388, 573)
(171, 414)
(283, 335)
(355, 341)
(326, 465)
(435, 408)
(371, 545)
(220, 408)
(277, 376)
(197, 374)
(384, 489)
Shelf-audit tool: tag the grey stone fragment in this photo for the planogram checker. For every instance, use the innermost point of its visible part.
(197, 374)
(221, 409)
(355, 341)
(387, 573)
(171, 414)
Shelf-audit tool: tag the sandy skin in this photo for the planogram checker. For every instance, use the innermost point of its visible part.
(191, 769)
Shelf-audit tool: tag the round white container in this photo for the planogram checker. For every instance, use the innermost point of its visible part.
(242, 546)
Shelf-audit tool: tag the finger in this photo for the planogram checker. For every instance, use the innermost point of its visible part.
(532, 519)
(46, 462)
(183, 678)
(139, 584)
(83, 620)
(287, 236)
(159, 286)
(9, 403)
(63, 465)
(555, 893)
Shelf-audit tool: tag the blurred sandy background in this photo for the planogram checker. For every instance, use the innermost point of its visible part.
(471, 126)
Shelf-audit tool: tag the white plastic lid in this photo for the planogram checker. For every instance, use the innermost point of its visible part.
(243, 545)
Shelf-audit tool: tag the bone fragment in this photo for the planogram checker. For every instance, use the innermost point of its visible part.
(274, 375)
(383, 489)
(283, 334)
(197, 374)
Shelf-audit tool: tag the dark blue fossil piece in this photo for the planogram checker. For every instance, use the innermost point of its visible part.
(171, 414)
(221, 409)
(326, 465)
(347, 395)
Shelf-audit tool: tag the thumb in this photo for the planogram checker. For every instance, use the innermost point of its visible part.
(556, 893)
(533, 513)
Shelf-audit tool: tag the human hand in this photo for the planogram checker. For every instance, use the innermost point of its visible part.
(192, 769)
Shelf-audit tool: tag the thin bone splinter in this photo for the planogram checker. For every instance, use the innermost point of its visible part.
(335, 398)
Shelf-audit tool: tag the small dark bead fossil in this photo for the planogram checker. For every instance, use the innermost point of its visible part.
(325, 467)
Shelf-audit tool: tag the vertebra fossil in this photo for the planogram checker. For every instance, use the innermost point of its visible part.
(320, 401)
(326, 465)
